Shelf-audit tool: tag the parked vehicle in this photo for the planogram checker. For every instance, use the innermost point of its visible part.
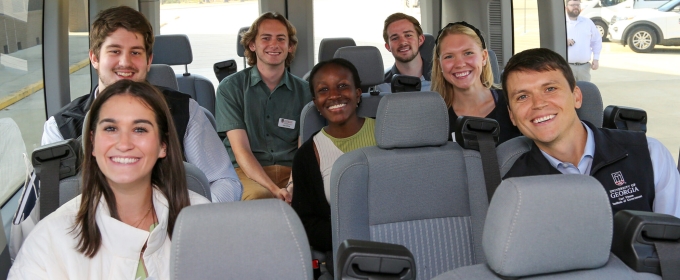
(602, 11)
(643, 29)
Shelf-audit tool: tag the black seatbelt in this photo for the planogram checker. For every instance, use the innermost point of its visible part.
(49, 187)
(53, 162)
(482, 135)
(669, 259)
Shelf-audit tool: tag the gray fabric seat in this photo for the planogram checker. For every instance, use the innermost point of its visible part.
(591, 110)
(366, 59)
(414, 188)
(494, 67)
(175, 49)
(548, 227)
(163, 75)
(328, 47)
(258, 239)
(240, 50)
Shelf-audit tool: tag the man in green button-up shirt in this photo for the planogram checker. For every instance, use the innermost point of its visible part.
(259, 108)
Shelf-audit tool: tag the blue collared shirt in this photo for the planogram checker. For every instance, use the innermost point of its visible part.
(584, 165)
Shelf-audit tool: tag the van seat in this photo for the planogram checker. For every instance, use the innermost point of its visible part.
(258, 239)
(413, 188)
(175, 49)
(534, 230)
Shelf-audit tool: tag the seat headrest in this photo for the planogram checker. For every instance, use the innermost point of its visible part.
(240, 50)
(547, 224)
(162, 75)
(592, 107)
(367, 60)
(258, 239)
(328, 47)
(411, 119)
(172, 49)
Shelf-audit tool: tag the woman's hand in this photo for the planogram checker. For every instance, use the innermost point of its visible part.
(284, 195)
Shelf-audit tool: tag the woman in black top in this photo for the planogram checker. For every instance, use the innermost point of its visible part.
(461, 73)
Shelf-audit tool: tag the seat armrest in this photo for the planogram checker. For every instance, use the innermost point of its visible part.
(635, 235)
(359, 259)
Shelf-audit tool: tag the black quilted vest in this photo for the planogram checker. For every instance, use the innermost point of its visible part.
(70, 118)
(621, 163)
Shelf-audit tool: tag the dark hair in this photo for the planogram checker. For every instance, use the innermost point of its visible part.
(399, 16)
(539, 60)
(335, 61)
(167, 174)
(109, 20)
(249, 37)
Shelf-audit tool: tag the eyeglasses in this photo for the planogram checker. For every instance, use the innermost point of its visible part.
(479, 33)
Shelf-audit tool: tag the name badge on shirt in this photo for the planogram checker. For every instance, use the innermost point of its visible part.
(285, 123)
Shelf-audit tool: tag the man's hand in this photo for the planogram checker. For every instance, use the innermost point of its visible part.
(571, 42)
(284, 195)
(595, 64)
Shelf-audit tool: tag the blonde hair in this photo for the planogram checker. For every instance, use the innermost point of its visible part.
(439, 84)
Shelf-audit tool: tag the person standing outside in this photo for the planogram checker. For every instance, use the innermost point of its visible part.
(259, 109)
(583, 40)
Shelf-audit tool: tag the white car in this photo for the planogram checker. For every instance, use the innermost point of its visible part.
(642, 29)
(601, 11)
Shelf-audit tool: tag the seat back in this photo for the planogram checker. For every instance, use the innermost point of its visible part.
(379, 193)
(534, 229)
(328, 46)
(592, 107)
(259, 239)
(495, 69)
(427, 50)
(162, 75)
(175, 49)
(368, 61)
(240, 50)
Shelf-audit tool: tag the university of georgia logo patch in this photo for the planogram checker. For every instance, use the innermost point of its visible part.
(618, 178)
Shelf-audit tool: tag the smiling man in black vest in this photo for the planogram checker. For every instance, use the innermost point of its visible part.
(637, 172)
(121, 42)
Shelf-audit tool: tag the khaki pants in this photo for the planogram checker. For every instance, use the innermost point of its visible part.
(253, 190)
(581, 72)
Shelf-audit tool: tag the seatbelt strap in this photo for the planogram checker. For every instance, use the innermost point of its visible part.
(669, 259)
(633, 125)
(49, 187)
(492, 173)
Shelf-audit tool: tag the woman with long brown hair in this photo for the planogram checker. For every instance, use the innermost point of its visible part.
(461, 73)
(133, 188)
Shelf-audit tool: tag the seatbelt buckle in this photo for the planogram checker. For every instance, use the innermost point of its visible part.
(65, 151)
(469, 131)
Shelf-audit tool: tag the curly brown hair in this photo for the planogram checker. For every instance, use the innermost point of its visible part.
(249, 37)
